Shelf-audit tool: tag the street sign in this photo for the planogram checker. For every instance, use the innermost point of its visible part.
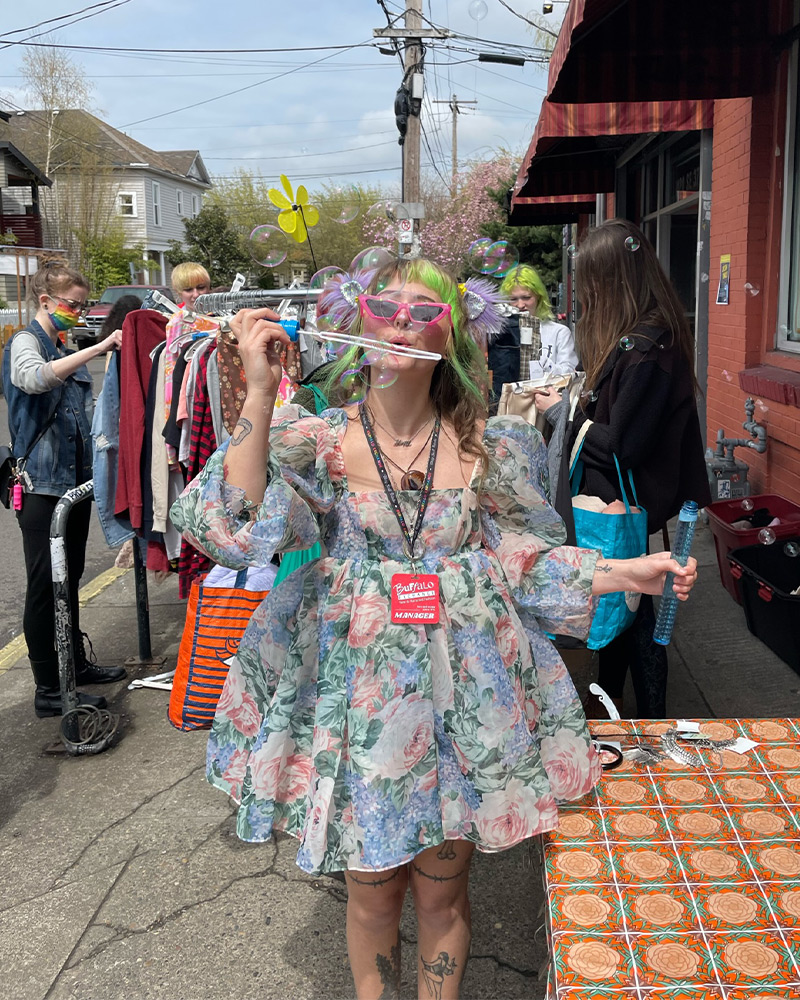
(405, 231)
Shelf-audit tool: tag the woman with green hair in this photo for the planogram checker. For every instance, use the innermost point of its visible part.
(526, 292)
(395, 703)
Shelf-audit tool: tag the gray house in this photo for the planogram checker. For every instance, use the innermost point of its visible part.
(101, 178)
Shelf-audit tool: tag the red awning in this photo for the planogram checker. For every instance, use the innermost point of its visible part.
(665, 50)
(556, 209)
(575, 146)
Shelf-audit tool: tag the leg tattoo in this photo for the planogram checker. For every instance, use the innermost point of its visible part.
(446, 851)
(436, 878)
(435, 971)
(374, 882)
(389, 971)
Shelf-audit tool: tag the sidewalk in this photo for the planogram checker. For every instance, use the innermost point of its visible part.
(123, 875)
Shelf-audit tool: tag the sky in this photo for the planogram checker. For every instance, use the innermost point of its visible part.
(319, 115)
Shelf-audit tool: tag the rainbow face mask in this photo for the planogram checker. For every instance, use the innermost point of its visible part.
(63, 319)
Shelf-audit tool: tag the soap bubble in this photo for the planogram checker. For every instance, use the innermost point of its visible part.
(268, 246)
(500, 258)
(727, 375)
(478, 10)
(304, 150)
(766, 536)
(791, 549)
(751, 289)
(371, 258)
(632, 244)
(476, 253)
(704, 277)
(326, 323)
(762, 408)
(589, 396)
(382, 378)
(324, 274)
(626, 344)
(747, 504)
(346, 199)
(572, 251)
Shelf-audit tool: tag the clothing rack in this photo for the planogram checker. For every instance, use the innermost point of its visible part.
(222, 303)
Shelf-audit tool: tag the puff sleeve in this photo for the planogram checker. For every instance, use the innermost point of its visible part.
(305, 478)
(546, 578)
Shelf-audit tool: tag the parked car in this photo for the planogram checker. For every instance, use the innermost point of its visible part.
(88, 330)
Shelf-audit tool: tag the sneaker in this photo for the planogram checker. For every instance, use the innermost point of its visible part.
(87, 670)
(47, 702)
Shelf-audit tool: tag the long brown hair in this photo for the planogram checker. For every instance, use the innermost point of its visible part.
(621, 286)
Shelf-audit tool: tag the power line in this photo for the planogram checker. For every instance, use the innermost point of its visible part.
(105, 7)
(239, 90)
(201, 52)
(328, 152)
(61, 17)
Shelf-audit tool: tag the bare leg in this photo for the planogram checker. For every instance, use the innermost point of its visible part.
(439, 884)
(374, 905)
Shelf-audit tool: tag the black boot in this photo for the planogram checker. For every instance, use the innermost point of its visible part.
(86, 669)
(47, 701)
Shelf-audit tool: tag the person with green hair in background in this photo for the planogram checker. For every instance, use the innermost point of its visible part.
(526, 292)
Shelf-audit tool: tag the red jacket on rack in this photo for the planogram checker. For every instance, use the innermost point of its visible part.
(142, 331)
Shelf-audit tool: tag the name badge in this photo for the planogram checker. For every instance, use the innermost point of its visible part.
(415, 599)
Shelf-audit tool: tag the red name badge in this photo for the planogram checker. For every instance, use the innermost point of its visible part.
(415, 599)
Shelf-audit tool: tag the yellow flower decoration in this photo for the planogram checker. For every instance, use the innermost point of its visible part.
(296, 213)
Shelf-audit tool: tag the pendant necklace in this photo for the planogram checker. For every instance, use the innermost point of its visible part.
(399, 442)
(412, 479)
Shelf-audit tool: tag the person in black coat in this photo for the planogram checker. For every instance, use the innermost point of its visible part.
(638, 404)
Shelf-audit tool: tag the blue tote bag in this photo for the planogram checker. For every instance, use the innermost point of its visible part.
(618, 536)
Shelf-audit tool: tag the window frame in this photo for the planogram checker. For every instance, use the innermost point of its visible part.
(195, 204)
(179, 201)
(156, 199)
(134, 213)
(791, 206)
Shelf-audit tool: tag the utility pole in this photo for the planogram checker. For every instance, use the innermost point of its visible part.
(454, 104)
(411, 147)
(412, 36)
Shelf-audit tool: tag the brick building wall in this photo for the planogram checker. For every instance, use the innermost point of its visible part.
(746, 206)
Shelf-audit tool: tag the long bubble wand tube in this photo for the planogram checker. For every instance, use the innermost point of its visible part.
(684, 533)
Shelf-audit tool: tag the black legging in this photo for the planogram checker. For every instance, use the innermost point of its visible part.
(647, 661)
(38, 621)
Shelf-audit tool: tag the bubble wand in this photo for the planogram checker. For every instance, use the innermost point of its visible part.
(687, 521)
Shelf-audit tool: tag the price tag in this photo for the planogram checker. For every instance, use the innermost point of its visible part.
(415, 599)
(525, 334)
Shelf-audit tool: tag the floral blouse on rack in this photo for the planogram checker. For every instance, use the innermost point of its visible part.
(370, 741)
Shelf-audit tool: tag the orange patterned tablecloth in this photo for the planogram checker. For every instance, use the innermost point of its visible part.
(677, 883)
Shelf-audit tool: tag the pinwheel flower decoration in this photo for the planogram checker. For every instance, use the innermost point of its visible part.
(296, 214)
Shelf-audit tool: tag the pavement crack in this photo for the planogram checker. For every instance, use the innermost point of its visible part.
(89, 924)
(502, 964)
(123, 933)
(122, 819)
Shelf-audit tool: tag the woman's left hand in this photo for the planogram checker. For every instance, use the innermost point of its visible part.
(648, 574)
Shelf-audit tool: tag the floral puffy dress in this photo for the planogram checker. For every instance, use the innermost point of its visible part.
(370, 741)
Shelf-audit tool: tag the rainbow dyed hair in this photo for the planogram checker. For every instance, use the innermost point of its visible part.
(524, 276)
(462, 374)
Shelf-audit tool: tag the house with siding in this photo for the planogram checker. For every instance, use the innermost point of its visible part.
(102, 178)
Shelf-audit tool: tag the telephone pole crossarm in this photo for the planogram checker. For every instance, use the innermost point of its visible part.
(404, 33)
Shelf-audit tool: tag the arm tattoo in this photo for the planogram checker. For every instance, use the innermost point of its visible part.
(603, 569)
(433, 973)
(240, 431)
(389, 971)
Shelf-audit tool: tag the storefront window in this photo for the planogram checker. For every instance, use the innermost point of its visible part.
(789, 318)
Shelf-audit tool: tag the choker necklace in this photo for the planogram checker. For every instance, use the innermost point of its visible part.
(399, 442)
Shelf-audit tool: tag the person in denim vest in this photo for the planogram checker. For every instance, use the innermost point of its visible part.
(49, 394)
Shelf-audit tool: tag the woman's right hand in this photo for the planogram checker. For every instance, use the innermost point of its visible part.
(260, 338)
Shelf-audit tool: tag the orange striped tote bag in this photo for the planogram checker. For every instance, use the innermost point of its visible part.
(216, 618)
